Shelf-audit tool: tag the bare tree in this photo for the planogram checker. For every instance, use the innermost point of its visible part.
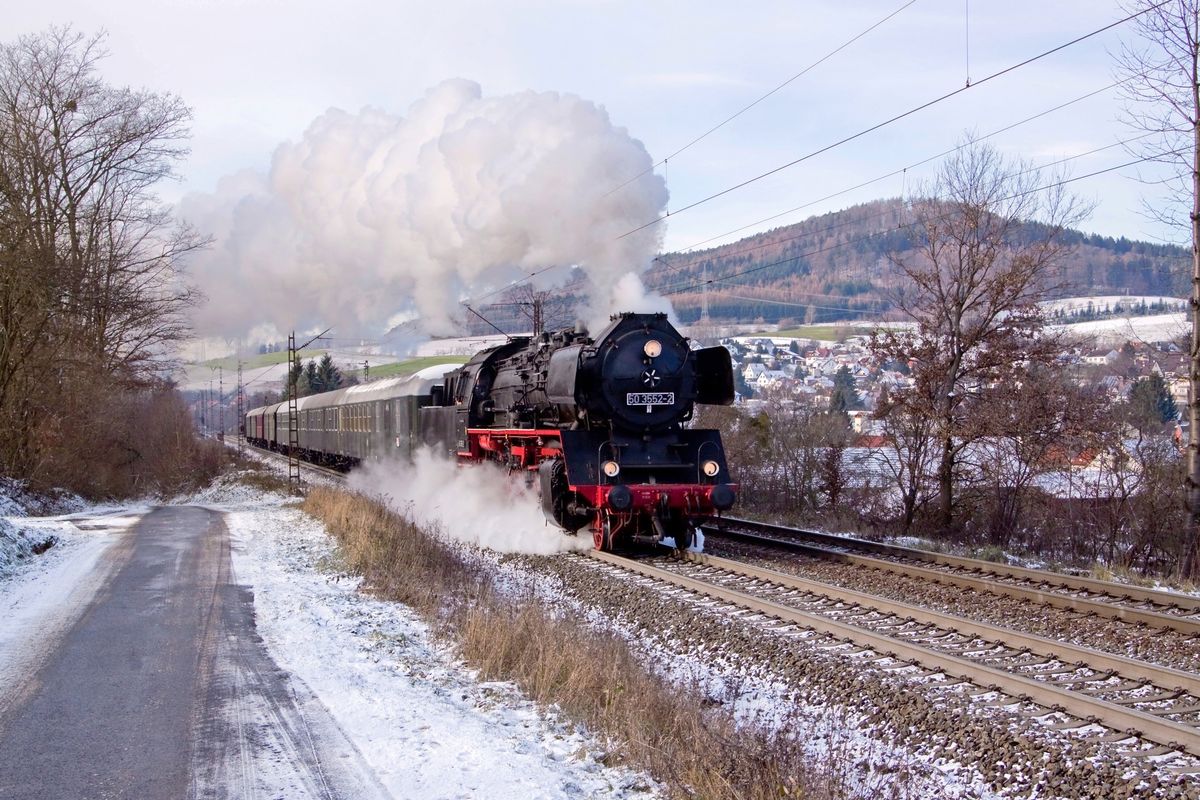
(991, 237)
(1161, 76)
(908, 459)
(91, 287)
(1031, 429)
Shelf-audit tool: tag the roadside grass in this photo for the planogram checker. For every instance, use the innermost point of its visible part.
(264, 481)
(695, 748)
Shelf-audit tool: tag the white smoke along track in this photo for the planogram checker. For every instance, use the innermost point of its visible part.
(479, 504)
(371, 215)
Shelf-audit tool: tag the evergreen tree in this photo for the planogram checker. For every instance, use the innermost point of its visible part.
(740, 385)
(845, 394)
(329, 377)
(1151, 404)
(307, 384)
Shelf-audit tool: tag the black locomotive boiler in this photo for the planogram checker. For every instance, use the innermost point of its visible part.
(600, 423)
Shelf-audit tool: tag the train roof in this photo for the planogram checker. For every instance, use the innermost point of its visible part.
(419, 383)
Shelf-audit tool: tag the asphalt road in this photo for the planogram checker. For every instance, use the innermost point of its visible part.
(163, 689)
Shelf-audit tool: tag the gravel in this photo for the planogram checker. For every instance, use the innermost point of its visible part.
(1166, 647)
(944, 724)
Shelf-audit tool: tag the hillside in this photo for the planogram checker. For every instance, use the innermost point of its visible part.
(836, 267)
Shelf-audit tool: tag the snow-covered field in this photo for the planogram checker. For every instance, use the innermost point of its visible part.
(1152, 328)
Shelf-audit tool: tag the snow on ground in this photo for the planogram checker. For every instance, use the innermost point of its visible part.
(837, 741)
(1067, 304)
(458, 346)
(1152, 328)
(422, 721)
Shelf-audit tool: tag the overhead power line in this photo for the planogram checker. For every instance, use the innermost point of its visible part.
(680, 288)
(746, 108)
(903, 170)
(889, 121)
(673, 268)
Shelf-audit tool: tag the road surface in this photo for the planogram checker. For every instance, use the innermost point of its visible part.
(162, 688)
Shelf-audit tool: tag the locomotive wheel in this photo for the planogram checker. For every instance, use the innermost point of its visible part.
(604, 535)
(685, 537)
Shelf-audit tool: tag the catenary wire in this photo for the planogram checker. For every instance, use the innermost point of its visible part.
(889, 121)
(679, 288)
(672, 268)
(903, 170)
(746, 108)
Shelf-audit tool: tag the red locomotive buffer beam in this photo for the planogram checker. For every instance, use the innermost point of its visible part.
(619, 513)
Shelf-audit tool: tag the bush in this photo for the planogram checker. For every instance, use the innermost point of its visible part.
(116, 442)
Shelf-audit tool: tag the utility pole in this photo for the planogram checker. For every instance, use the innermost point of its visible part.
(293, 420)
(539, 319)
(221, 403)
(241, 411)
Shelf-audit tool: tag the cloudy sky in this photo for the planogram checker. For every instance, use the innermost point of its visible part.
(262, 76)
(258, 72)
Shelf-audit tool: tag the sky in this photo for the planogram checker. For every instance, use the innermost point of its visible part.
(257, 72)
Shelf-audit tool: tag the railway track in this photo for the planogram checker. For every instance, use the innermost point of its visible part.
(1133, 604)
(1129, 698)
(1079, 686)
(337, 474)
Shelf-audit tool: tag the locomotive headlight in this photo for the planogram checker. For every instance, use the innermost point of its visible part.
(652, 348)
(711, 468)
(611, 468)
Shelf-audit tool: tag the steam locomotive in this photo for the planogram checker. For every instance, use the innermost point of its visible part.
(597, 422)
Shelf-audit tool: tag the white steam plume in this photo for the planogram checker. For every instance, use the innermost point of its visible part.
(370, 214)
(478, 504)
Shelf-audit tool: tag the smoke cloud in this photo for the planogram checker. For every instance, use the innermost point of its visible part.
(370, 215)
(478, 504)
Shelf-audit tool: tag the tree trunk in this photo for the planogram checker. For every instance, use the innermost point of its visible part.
(946, 487)
(1192, 540)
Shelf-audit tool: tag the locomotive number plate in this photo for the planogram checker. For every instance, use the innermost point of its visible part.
(650, 399)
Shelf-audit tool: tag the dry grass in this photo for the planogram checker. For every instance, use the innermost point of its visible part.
(694, 747)
(252, 475)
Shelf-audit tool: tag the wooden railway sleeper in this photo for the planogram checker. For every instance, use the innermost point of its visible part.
(1170, 712)
(1053, 673)
(1159, 697)
(1089, 679)
(1160, 750)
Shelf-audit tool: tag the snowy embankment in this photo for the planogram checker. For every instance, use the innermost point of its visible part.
(50, 569)
(418, 716)
(34, 524)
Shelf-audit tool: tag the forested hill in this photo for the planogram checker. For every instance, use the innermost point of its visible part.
(836, 267)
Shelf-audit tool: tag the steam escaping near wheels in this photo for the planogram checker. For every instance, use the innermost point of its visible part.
(478, 504)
